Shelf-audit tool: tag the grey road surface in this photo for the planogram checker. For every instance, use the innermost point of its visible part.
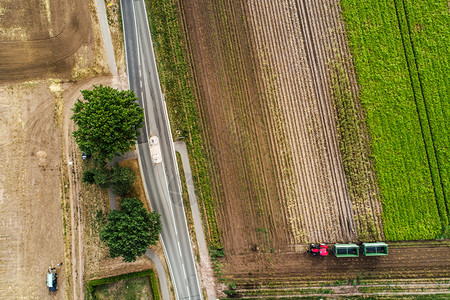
(161, 181)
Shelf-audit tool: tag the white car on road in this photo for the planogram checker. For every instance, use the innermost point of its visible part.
(155, 149)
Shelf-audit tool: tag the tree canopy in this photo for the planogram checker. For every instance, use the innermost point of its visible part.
(131, 230)
(108, 121)
(122, 180)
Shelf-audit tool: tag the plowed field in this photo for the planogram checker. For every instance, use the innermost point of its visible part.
(268, 274)
(264, 72)
(39, 38)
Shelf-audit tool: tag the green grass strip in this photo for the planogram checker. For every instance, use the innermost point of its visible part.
(176, 79)
(422, 109)
(427, 23)
(150, 273)
(410, 209)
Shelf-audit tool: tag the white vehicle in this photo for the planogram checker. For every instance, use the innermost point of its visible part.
(155, 150)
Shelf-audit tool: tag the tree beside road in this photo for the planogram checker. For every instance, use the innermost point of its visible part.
(107, 120)
(131, 230)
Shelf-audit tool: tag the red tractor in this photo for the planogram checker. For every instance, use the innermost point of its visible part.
(320, 250)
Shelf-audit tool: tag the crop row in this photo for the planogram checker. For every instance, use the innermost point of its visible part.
(403, 146)
(427, 23)
(175, 76)
(423, 106)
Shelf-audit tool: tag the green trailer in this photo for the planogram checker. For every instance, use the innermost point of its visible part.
(346, 250)
(375, 249)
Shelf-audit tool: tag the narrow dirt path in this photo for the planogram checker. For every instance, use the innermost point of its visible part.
(71, 157)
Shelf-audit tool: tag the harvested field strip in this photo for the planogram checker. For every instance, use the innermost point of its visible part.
(175, 74)
(262, 79)
(401, 163)
(282, 51)
(232, 72)
(355, 149)
(366, 206)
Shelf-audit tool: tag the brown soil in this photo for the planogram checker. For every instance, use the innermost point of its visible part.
(31, 229)
(263, 74)
(413, 260)
(264, 87)
(42, 206)
(39, 39)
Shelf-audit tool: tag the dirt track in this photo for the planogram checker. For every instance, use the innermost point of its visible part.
(418, 260)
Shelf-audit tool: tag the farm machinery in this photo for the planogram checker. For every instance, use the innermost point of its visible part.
(318, 250)
(52, 279)
(349, 250)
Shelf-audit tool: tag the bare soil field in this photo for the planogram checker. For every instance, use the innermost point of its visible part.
(264, 74)
(415, 262)
(53, 43)
(418, 259)
(39, 38)
(31, 229)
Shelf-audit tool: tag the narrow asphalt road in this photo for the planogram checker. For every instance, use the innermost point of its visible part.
(161, 181)
(131, 154)
(149, 253)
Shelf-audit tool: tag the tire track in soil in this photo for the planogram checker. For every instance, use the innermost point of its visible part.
(275, 130)
(243, 122)
(72, 154)
(271, 132)
(238, 59)
(312, 185)
(367, 204)
(285, 84)
(268, 224)
(267, 75)
(21, 60)
(346, 218)
(292, 129)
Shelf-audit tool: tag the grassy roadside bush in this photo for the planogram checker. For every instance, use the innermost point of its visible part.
(150, 273)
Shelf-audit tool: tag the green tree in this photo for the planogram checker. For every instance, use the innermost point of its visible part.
(122, 180)
(89, 176)
(131, 230)
(101, 176)
(108, 121)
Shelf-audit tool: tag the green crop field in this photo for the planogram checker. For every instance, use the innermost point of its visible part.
(400, 50)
